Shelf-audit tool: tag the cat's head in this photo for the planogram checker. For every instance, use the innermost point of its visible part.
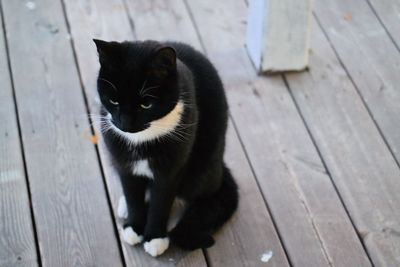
(137, 85)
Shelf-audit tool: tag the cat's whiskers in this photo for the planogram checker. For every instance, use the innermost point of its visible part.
(186, 125)
(109, 127)
(149, 95)
(94, 119)
(144, 89)
(101, 121)
(141, 89)
(118, 135)
(185, 101)
(97, 117)
(147, 89)
(110, 83)
(93, 115)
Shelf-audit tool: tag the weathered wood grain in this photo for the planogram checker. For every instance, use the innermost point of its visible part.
(68, 198)
(251, 232)
(108, 20)
(17, 243)
(308, 213)
(162, 20)
(370, 57)
(360, 163)
(388, 13)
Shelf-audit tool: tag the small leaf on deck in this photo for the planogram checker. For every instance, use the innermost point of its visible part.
(348, 17)
(91, 137)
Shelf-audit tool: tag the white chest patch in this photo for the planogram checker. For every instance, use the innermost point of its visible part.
(164, 126)
(142, 168)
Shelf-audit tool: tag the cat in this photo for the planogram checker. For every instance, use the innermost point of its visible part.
(164, 119)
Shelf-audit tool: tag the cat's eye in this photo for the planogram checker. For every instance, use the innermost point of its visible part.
(114, 103)
(146, 105)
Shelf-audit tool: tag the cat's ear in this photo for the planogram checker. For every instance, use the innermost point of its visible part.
(106, 50)
(163, 63)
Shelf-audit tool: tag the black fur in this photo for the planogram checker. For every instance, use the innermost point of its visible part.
(187, 163)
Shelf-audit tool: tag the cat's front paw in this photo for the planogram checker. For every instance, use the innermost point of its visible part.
(156, 246)
(122, 210)
(130, 236)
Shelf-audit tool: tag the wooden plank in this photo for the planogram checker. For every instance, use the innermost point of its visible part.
(251, 232)
(278, 34)
(308, 213)
(360, 163)
(370, 57)
(108, 20)
(68, 198)
(388, 13)
(17, 242)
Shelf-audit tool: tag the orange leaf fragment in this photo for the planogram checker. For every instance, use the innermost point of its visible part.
(348, 17)
(92, 137)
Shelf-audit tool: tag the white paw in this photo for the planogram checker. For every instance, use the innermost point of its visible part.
(130, 236)
(156, 246)
(122, 211)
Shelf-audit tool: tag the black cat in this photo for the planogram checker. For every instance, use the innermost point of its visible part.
(164, 119)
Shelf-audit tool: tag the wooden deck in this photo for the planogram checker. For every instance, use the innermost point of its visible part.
(316, 154)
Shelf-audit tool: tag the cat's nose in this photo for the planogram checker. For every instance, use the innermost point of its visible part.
(127, 124)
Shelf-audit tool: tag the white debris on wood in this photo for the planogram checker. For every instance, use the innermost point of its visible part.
(266, 256)
(30, 5)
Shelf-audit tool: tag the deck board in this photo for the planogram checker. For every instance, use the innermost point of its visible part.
(370, 57)
(17, 240)
(289, 170)
(361, 165)
(68, 198)
(388, 14)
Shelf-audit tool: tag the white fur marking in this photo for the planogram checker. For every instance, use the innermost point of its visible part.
(156, 246)
(158, 128)
(130, 236)
(141, 167)
(122, 211)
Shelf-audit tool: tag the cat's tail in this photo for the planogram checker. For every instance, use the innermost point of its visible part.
(205, 215)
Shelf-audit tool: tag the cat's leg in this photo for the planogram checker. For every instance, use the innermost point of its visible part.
(161, 199)
(134, 188)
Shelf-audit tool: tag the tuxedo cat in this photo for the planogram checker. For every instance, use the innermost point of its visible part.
(164, 119)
